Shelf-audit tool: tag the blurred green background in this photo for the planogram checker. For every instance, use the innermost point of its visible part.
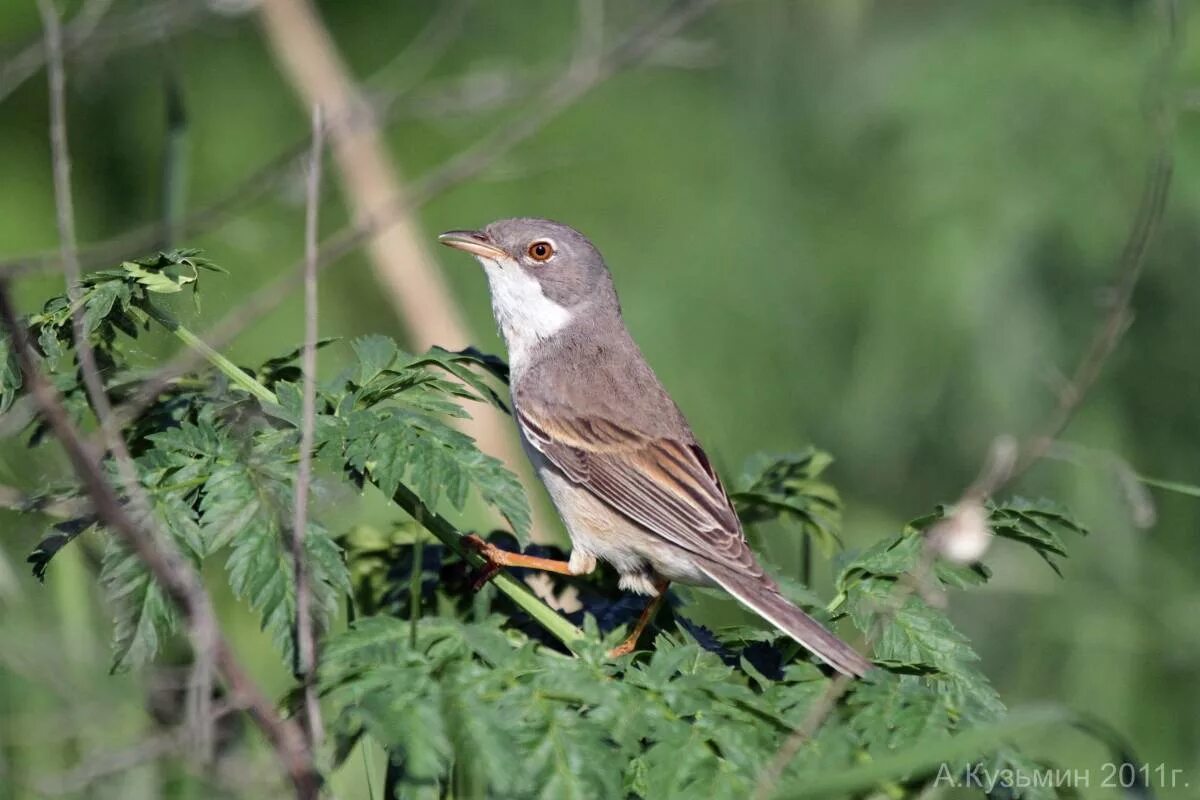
(886, 229)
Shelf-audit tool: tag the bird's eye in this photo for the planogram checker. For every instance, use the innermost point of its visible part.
(541, 250)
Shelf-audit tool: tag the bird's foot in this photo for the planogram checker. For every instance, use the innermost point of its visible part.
(495, 558)
(491, 564)
(626, 647)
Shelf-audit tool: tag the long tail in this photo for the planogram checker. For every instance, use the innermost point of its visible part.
(762, 596)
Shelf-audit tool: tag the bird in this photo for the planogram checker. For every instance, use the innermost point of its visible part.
(633, 486)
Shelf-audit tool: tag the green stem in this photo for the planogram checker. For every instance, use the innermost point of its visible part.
(235, 373)
(444, 530)
(433, 522)
(414, 590)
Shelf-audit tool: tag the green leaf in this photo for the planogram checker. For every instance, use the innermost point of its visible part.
(375, 354)
(432, 459)
(11, 378)
(1040, 524)
(788, 488)
(143, 616)
(99, 304)
(245, 508)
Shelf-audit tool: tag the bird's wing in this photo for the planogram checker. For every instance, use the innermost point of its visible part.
(664, 484)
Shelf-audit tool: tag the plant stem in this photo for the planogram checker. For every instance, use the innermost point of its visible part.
(235, 373)
(433, 522)
(444, 530)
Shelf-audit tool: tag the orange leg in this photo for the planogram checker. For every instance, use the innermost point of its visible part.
(497, 558)
(648, 613)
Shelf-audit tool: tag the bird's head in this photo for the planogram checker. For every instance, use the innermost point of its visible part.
(542, 274)
(525, 257)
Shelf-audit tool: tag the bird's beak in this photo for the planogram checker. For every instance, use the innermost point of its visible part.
(474, 242)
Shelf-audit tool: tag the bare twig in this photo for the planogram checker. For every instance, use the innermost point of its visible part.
(202, 630)
(65, 216)
(1112, 327)
(148, 23)
(306, 646)
(1114, 324)
(818, 712)
(179, 581)
(25, 64)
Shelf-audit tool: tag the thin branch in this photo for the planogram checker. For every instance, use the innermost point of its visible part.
(26, 64)
(1130, 265)
(65, 217)
(1112, 327)
(202, 629)
(178, 580)
(818, 712)
(306, 647)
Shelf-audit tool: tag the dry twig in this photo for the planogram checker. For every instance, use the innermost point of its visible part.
(201, 632)
(306, 647)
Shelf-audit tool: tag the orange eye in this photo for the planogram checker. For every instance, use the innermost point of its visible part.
(541, 250)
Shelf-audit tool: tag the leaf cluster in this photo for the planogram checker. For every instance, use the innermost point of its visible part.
(217, 470)
(466, 691)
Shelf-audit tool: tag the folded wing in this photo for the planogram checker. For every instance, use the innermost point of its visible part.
(667, 486)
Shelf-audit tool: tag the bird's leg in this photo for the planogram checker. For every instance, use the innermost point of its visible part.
(648, 613)
(497, 558)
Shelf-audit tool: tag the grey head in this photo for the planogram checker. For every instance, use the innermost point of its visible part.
(559, 258)
(543, 277)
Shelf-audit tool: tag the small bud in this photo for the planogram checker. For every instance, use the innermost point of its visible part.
(963, 536)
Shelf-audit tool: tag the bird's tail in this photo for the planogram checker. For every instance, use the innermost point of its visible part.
(762, 596)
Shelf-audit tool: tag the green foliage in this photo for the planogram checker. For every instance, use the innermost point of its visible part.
(789, 488)
(458, 703)
(219, 473)
(1040, 524)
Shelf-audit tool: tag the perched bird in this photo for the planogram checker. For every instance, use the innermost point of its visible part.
(620, 462)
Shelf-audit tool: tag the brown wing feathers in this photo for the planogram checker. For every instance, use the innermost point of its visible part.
(669, 488)
(658, 483)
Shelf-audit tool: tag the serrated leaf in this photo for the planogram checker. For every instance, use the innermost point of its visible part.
(788, 488)
(99, 304)
(433, 460)
(144, 618)
(1038, 524)
(375, 354)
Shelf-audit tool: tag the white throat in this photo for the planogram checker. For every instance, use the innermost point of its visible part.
(523, 312)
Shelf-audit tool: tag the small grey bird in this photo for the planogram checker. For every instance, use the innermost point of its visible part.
(620, 462)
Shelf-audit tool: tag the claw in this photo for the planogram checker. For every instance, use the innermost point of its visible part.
(490, 567)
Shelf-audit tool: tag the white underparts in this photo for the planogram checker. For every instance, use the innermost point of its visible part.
(523, 312)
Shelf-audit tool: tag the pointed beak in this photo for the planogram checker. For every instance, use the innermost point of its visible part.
(476, 243)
